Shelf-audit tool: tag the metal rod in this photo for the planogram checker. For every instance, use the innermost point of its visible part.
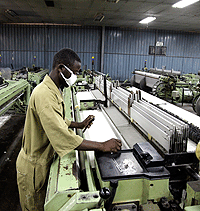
(5, 108)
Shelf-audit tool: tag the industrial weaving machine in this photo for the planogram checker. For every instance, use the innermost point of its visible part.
(16, 87)
(14, 93)
(33, 75)
(14, 97)
(169, 85)
(156, 169)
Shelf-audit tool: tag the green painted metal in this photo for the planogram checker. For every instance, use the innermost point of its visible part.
(85, 164)
(141, 189)
(82, 201)
(86, 105)
(63, 179)
(186, 87)
(63, 191)
(86, 78)
(10, 94)
(150, 207)
(192, 208)
(193, 193)
(63, 182)
(191, 78)
(94, 209)
(84, 160)
(67, 96)
(102, 209)
(37, 77)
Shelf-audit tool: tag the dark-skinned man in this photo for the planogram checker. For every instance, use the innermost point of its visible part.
(47, 131)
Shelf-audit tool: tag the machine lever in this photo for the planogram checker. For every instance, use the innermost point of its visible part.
(104, 194)
(108, 204)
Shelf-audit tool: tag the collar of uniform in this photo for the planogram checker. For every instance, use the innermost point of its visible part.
(51, 85)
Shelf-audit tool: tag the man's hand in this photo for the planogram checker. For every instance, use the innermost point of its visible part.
(112, 145)
(84, 124)
(87, 122)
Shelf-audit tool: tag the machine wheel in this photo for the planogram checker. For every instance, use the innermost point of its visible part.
(159, 89)
(194, 102)
(154, 88)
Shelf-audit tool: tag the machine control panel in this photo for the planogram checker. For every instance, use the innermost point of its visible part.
(132, 163)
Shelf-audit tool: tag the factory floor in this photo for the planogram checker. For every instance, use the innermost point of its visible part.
(9, 198)
(10, 144)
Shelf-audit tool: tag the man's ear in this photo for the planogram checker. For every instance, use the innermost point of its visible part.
(60, 66)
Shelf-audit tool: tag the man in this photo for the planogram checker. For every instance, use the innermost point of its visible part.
(46, 131)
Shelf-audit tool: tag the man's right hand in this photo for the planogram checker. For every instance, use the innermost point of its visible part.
(112, 145)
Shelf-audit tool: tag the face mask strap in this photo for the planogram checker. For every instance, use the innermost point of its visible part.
(70, 81)
(67, 68)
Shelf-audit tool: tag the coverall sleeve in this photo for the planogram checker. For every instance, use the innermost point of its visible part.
(68, 122)
(198, 151)
(56, 128)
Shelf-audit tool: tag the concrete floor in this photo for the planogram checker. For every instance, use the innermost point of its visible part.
(11, 132)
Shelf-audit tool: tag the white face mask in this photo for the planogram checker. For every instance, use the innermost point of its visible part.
(72, 79)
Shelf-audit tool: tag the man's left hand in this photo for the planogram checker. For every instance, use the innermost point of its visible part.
(87, 122)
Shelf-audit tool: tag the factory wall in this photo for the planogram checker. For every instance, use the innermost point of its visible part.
(183, 52)
(25, 45)
(124, 49)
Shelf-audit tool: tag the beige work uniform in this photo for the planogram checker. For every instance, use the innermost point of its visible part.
(198, 151)
(45, 131)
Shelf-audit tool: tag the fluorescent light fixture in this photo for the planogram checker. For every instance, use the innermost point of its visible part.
(147, 20)
(99, 17)
(11, 13)
(184, 3)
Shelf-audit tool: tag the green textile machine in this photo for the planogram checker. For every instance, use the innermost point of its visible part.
(14, 94)
(136, 178)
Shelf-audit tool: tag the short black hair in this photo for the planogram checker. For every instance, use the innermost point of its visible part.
(65, 56)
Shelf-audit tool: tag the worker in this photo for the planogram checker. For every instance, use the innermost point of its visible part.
(47, 131)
